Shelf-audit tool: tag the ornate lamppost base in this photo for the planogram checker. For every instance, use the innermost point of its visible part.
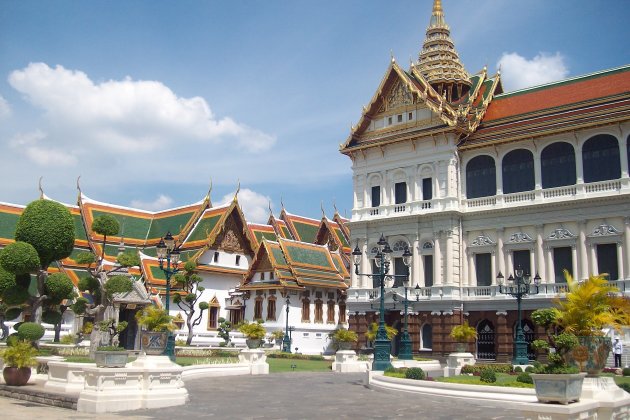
(381, 354)
(404, 352)
(520, 354)
(286, 344)
(170, 347)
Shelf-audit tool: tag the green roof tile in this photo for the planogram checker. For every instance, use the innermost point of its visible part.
(130, 227)
(174, 224)
(308, 256)
(8, 221)
(307, 232)
(203, 228)
(79, 230)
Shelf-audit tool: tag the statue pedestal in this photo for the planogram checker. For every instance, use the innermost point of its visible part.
(456, 361)
(346, 361)
(256, 358)
(148, 382)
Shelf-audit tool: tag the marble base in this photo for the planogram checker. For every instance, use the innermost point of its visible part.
(257, 360)
(346, 361)
(455, 362)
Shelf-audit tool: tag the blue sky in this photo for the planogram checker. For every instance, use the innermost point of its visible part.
(149, 100)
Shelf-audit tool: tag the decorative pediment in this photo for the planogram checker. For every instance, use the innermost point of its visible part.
(604, 230)
(482, 240)
(520, 237)
(231, 240)
(559, 234)
(398, 96)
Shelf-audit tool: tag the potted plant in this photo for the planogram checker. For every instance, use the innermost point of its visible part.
(111, 355)
(589, 307)
(370, 334)
(463, 334)
(343, 338)
(18, 359)
(557, 381)
(278, 335)
(254, 333)
(156, 324)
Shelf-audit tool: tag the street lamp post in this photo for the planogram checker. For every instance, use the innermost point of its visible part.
(382, 344)
(519, 287)
(404, 352)
(166, 250)
(286, 340)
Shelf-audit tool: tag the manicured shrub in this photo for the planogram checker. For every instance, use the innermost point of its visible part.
(525, 378)
(415, 373)
(58, 287)
(518, 369)
(625, 372)
(118, 284)
(51, 317)
(530, 369)
(12, 313)
(15, 296)
(467, 369)
(488, 376)
(7, 280)
(19, 258)
(30, 331)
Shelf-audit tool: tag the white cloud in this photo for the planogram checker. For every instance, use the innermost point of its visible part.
(517, 72)
(29, 144)
(128, 115)
(160, 203)
(255, 206)
(5, 109)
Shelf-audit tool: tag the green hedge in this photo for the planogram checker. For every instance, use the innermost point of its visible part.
(478, 368)
(282, 355)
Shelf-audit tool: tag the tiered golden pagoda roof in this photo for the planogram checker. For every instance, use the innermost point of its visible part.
(438, 62)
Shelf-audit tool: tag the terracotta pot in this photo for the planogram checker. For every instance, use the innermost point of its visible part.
(16, 376)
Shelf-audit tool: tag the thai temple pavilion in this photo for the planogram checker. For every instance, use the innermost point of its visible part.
(249, 271)
(478, 183)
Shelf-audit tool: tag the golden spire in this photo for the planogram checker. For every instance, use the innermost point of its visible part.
(438, 62)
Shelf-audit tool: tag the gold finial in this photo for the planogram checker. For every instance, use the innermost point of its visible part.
(281, 203)
(209, 190)
(322, 207)
(41, 190)
(437, 6)
(270, 211)
(238, 188)
(79, 186)
(391, 54)
(335, 206)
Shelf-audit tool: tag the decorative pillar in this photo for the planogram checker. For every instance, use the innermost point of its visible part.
(503, 338)
(537, 173)
(574, 265)
(493, 268)
(532, 261)
(417, 265)
(583, 274)
(448, 271)
(472, 273)
(593, 258)
(500, 259)
(437, 260)
(540, 257)
(550, 275)
(499, 172)
(365, 266)
(463, 262)
(509, 267)
(579, 166)
(620, 263)
(624, 160)
(626, 239)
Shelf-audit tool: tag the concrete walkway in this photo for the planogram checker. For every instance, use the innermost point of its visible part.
(292, 395)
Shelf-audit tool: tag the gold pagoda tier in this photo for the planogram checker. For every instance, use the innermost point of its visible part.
(438, 61)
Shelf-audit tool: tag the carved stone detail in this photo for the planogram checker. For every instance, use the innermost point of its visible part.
(482, 240)
(519, 237)
(561, 233)
(605, 230)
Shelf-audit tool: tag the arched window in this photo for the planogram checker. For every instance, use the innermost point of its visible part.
(518, 171)
(557, 165)
(628, 148)
(600, 158)
(399, 246)
(426, 338)
(481, 179)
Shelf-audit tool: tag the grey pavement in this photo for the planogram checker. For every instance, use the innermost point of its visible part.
(293, 395)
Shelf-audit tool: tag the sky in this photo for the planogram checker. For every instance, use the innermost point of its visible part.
(150, 102)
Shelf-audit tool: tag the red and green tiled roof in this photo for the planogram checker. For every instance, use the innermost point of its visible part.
(9, 215)
(205, 226)
(311, 264)
(260, 232)
(302, 229)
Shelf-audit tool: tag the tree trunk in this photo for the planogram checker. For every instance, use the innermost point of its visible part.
(189, 324)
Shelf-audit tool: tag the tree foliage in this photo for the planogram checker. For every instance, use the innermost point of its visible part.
(105, 225)
(153, 318)
(49, 228)
(30, 331)
(58, 287)
(118, 284)
(19, 258)
(128, 259)
(189, 303)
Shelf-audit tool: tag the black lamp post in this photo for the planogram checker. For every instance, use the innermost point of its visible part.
(382, 344)
(166, 249)
(286, 340)
(404, 352)
(519, 287)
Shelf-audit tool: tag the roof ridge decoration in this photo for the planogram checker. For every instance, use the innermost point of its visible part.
(438, 61)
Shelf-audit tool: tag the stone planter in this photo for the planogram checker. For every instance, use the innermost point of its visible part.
(560, 388)
(110, 359)
(16, 376)
(344, 345)
(153, 342)
(253, 343)
(591, 354)
(460, 347)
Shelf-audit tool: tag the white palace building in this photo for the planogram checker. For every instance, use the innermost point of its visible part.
(477, 182)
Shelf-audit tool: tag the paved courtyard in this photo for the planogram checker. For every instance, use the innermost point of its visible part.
(286, 396)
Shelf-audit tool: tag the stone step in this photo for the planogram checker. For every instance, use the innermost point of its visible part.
(37, 395)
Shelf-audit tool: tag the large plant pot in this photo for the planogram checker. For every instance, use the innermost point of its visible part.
(460, 347)
(110, 359)
(591, 354)
(153, 342)
(344, 345)
(253, 343)
(560, 388)
(16, 376)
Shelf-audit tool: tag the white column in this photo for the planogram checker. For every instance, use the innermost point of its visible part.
(464, 263)
(509, 267)
(620, 263)
(537, 173)
(532, 262)
(417, 264)
(365, 266)
(540, 259)
(583, 274)
(493, 268)
(624, 163)
(626, 239)
(500, 259)
(574, 265)
(579, 167)
(593, 255)
(499, 176)
(385, 193)
(550, 276)
(448, 272)
(437, 260)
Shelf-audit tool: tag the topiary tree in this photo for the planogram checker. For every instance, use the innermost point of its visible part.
(44, 233)
(103, 283)
(189, 282)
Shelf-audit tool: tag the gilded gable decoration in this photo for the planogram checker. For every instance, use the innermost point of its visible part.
(399, 96)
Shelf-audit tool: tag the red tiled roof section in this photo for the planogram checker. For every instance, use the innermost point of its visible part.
(556, 96)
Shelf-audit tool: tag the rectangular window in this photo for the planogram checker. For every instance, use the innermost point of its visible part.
(607, 260)
(306, 310)
(330, 313)
(400, 192)
(400, 269)
(271, 310)
(376, 196)
(271, 275)
(342, 312)
(483, 269)
(399, 118)
(238, 260)
(520, 259)
(410, 116)
(213, 316)
(258, 309)
(428, 270)
(389, 121)
(262, 276)
(427, 189)
(216, 257)
(319, 311)
(562, 260)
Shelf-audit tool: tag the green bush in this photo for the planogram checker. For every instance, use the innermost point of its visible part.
(19, 258)
(13, 339)
(79, 306)
(51, 317)
(58, 287)
(488, 376)
(467, 369)
(30, 331)
(118, 284)
(281, 355)
(12, 313)
(49, 227)
(23, 280)
(7, 280)
(415, 373)
(625, 372)
(530, 369)
(106, 225)
(518, 369)
(68, 339)
(15, 296)
(525, 378)
(20, 354)
(478, 368)
(625, 387)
